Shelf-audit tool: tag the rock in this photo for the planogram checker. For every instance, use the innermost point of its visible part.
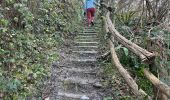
(98, 85)
(47, 98)
(84, 97)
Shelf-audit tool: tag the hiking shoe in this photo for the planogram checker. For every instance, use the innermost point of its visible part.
(92, 23)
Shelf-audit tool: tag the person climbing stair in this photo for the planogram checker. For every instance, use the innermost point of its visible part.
(89, 7)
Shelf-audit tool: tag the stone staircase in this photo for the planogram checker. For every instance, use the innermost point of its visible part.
(80, 79)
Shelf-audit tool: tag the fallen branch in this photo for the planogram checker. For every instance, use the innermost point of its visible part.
(132, 84)
(144, 55)
(157, 83)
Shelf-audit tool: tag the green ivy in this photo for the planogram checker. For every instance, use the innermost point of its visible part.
(29, 40)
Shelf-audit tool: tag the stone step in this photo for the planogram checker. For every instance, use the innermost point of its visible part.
(87, 40)
(85, 48)
(85, 34)
(80, 73)
(81, 65)
(79, 96)
(86, 43)
(86, 37)
(77, 88)
(87, 28)
(70, 96)
(85, 60)
(75, 96)
(78, 80)
(81, 70)
(88, 31)
(86, 53)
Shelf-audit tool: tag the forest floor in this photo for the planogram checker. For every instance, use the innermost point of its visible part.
(79, 75)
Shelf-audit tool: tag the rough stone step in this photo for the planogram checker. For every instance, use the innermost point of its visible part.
(63, 98)
(89, 31)
(78, 80)
(86, 43)
(87, 28)
(87, 40)
(86, 53)
(81, 70)
(85, 60)
(82, 74)
(85, 48)
(78, 88)
(79, 96)
(69, 96)
(84, 34)
(83, 63)
(86, 37)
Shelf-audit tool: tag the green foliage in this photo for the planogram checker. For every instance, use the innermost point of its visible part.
(29, 37)
(25, 60)
(108, 98)
(136, 67)
(137, 27)
(126, 17)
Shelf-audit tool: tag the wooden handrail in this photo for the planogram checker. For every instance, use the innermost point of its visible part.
(164, 88)
(124, 73)
(131, 83)
(145, 56)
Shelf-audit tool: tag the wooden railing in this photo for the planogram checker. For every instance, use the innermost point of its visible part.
(145, 56)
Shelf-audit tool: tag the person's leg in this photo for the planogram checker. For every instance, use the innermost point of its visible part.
(92, 15)
(89, 16)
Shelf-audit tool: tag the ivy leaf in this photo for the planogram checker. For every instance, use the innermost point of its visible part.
(126, 51)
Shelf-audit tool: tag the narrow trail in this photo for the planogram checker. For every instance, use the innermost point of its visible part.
(78, 78)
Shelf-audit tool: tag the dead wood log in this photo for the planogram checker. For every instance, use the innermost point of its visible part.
(132, 84)
(157, 83)
(144, 55)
